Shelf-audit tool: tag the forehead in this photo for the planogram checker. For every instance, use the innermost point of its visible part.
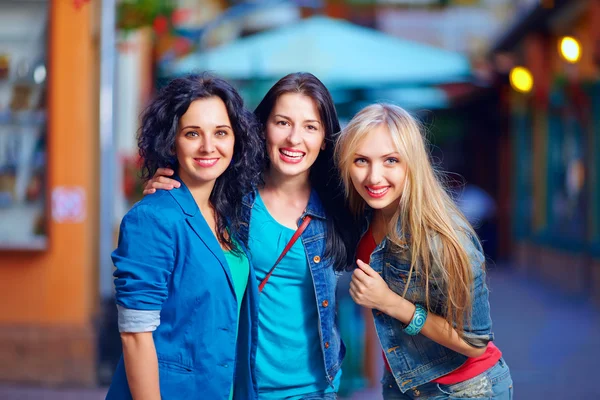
(377, 142)
(296, 105)
(207, 111)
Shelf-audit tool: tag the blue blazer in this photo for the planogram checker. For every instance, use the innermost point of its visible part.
(168, 262)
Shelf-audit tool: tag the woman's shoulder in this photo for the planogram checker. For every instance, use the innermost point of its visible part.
(159, 206)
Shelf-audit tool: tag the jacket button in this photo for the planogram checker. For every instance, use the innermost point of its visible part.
(325, 303)
(317, 259)
(326, 345)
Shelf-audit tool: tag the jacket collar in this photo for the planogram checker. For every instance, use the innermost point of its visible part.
(184, 198)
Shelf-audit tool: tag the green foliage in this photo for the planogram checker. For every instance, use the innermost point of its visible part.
(134, 14)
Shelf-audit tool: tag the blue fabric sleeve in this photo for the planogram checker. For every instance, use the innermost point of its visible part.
(144, 259)
(135, 321)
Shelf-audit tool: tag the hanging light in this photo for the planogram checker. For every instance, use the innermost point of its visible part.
(570, 49)
(521, 79)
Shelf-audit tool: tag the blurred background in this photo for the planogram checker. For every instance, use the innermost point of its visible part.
(509, 91)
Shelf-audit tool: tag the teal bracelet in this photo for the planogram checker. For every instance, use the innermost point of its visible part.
(417, 322)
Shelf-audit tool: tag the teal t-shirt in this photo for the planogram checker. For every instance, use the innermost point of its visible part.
(240, 268)
(289, 360)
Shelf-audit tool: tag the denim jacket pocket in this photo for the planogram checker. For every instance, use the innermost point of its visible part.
(397, 278)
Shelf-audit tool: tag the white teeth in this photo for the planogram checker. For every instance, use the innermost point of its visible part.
(378, 191)
(294, 154)
(207, 162)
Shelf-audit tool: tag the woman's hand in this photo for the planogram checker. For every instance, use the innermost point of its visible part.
(161, 180)
(368, 288)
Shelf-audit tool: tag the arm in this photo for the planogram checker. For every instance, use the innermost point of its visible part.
(368, 289)
(436, 327)
(144, 260)
(161, 180)
(141, 365)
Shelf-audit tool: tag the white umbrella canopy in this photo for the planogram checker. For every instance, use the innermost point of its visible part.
(339, 53)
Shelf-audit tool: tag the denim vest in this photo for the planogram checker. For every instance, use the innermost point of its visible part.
(415, 360)
(324, 279)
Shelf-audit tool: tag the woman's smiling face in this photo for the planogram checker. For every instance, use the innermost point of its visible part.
(295, 134)
(377, 172)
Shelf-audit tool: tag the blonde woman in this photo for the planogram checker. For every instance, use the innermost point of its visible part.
(420, 265)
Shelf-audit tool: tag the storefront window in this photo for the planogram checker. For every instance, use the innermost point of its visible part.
(568, 171)
(23, 73)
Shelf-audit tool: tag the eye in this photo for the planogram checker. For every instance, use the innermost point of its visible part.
(392, 160)
(282, 123)
(360, 161)
(191, 134)
(221, 133)
(312, 128)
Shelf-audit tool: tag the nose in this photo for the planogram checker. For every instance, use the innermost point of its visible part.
(208, 145)
(375, 174)
(294, 137)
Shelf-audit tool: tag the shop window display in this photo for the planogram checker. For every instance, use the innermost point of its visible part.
(23, 153)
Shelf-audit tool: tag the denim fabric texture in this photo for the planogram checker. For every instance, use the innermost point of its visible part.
(415, 360)
(169, 261)
(324, 280)
(493, 384)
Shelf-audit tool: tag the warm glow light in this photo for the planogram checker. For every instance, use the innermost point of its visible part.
(521, 79)
(570, 49)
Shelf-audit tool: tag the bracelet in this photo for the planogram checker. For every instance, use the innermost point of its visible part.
(417, 321)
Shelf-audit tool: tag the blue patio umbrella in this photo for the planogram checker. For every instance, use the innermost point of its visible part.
(341, 54)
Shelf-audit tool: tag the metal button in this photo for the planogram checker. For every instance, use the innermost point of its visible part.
(325, 303)
(416, 392)
(326, 345)
(317, 259)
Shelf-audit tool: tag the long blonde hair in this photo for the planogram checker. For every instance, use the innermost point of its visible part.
(427, 219)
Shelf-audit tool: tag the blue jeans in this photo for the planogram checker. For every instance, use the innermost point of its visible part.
(493, 384)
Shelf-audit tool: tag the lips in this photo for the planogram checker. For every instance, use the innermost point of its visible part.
(291, 156)
(206, 162)
(377, 192)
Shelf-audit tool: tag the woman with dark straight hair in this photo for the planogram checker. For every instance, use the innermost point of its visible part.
(185, 293)
(299, 347)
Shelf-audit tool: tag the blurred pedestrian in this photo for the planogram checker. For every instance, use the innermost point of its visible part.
(299, 347)
(420, 265)
(185, 293)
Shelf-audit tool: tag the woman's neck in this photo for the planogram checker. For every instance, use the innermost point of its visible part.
(200, 191)
(293, 188)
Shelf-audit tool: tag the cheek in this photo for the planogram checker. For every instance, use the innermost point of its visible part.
(356, 177)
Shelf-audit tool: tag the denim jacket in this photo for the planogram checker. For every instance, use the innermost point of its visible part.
(415, 360)
(324, 279)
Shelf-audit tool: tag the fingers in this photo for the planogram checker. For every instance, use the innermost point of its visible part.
(149, 191)
(360, 276)
(366, 268)
(163, 172)
(163, 180)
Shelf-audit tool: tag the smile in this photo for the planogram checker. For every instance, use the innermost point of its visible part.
(291, 156)
(206, 162)
(377, 191)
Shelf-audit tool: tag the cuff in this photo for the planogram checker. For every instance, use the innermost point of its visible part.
(136, 321)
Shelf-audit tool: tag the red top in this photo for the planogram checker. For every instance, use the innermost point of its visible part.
(472, 367)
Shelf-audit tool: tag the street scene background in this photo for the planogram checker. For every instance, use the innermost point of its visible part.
(507, 90)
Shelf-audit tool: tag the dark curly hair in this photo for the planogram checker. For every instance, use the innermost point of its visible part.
(324, 177)
(156, 142)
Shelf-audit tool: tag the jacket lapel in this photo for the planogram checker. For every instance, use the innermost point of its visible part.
(196, 221)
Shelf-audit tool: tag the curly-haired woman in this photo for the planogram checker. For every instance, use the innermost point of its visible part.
(184, 289)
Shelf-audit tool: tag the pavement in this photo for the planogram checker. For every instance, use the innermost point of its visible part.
(549, 340)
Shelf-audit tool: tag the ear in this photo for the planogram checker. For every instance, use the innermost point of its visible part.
(323, 145)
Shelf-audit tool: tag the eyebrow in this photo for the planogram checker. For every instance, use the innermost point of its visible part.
(197, 127)
(289, 119)
(383, 156)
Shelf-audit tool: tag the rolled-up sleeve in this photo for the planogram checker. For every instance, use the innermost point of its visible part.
(479, 331)
(143, 260)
